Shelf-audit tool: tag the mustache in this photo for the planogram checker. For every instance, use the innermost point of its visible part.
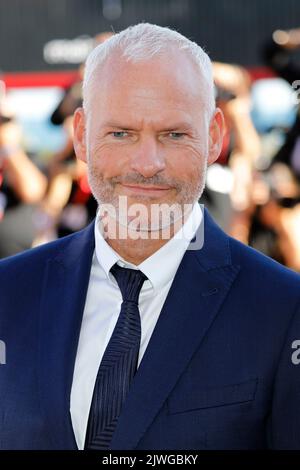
(155, 180)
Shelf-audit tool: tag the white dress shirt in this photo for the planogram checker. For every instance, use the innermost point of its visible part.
(103, 305)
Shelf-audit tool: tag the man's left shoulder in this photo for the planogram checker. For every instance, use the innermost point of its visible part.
(262, 271)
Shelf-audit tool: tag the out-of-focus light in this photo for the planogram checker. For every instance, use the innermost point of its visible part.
(280, 37)
(2, 91)
(111, 9)
(68, 51)
(273, 104)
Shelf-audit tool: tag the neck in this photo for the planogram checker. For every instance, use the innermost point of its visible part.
(138, 246)
(136, 251)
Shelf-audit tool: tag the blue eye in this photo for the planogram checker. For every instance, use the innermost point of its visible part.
(176, 135)
(119, 134)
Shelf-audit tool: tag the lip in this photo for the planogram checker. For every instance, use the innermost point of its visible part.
(145, 190)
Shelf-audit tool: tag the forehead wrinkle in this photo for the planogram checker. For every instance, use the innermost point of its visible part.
(139, 119)
(135, 108)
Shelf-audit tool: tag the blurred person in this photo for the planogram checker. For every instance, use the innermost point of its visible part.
(68, 204)
(275, 227)
(241, 148)
(22, 186)
(148, 341)
(278, 55)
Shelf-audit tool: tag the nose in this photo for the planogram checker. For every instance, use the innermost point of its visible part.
(147, 158)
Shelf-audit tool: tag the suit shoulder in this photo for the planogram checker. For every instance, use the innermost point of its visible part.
(35, 256)
(262, 268)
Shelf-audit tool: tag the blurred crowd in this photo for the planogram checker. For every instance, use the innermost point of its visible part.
(253, 190)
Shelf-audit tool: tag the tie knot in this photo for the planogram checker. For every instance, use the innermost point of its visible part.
(130, 282)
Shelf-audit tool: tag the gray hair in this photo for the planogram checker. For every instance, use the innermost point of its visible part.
(145, 40)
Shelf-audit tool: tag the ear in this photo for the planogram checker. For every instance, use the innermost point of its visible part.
(79, 135)
(216, 133)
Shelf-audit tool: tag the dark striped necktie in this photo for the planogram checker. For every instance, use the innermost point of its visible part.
(119, 362)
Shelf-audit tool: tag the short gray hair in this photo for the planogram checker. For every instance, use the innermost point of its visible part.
(143, 41)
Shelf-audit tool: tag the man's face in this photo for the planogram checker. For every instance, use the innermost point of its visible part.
(147, 134)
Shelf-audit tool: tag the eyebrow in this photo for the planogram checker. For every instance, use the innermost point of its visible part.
(177, 125)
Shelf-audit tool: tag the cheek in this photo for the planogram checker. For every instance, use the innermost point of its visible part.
(109, 160)
(186, 164)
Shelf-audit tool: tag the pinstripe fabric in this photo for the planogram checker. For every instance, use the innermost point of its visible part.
(119, 362)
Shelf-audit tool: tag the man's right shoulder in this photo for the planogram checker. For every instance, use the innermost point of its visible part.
(32, 258)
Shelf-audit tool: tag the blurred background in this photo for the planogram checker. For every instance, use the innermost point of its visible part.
(253, 190)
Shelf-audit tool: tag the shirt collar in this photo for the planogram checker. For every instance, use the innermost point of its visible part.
(160, 268)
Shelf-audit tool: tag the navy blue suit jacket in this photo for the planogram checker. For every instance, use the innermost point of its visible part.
(218, 372)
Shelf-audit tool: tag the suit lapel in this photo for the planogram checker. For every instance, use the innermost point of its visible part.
(63, 298)
(200, 286)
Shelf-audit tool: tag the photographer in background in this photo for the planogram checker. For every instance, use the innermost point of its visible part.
(275, 228)
(278, 55)
(241, 147)
(22, 185)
